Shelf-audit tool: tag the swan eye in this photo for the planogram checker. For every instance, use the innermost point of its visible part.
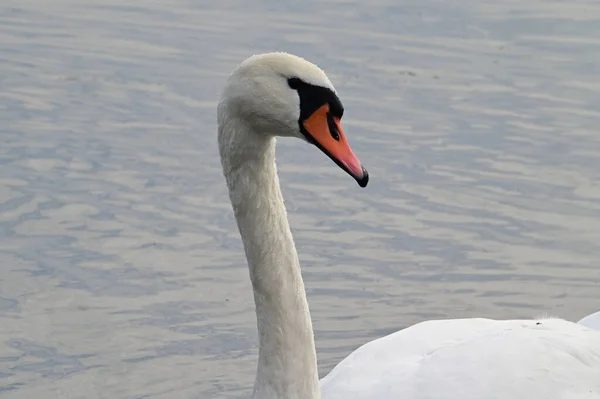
(294, 83)
(333, 129)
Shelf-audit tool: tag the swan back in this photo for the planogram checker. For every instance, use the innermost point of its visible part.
(472, 359)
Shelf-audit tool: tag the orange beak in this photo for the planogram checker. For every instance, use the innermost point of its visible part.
(325, 131)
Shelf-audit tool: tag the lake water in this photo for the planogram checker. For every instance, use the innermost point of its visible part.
(122, 273)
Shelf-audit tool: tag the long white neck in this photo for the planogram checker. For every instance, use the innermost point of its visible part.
(287, 363)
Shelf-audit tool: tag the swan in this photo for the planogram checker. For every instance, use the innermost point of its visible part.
(280, 94)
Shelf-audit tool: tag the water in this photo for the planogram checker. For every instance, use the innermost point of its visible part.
(122, 271)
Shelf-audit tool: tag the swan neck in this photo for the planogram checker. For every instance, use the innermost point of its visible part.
(287, 365)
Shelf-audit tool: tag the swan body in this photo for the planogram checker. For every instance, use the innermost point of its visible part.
(473, 358)
(278, 94)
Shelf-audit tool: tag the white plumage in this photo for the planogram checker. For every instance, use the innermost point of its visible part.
(443, 359)
(473, 358)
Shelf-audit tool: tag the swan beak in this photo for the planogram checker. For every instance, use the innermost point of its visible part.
(325, 131)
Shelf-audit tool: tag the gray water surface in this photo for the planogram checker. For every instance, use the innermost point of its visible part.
(122, 273)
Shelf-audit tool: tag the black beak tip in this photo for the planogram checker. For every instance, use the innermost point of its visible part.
(364, 179)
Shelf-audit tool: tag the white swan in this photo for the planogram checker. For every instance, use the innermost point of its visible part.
(278, 94)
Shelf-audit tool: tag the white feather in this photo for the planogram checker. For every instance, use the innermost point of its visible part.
(444, 359)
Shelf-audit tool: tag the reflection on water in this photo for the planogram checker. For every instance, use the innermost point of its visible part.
(122, 271)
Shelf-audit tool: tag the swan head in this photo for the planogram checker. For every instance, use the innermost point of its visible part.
(280, 94)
